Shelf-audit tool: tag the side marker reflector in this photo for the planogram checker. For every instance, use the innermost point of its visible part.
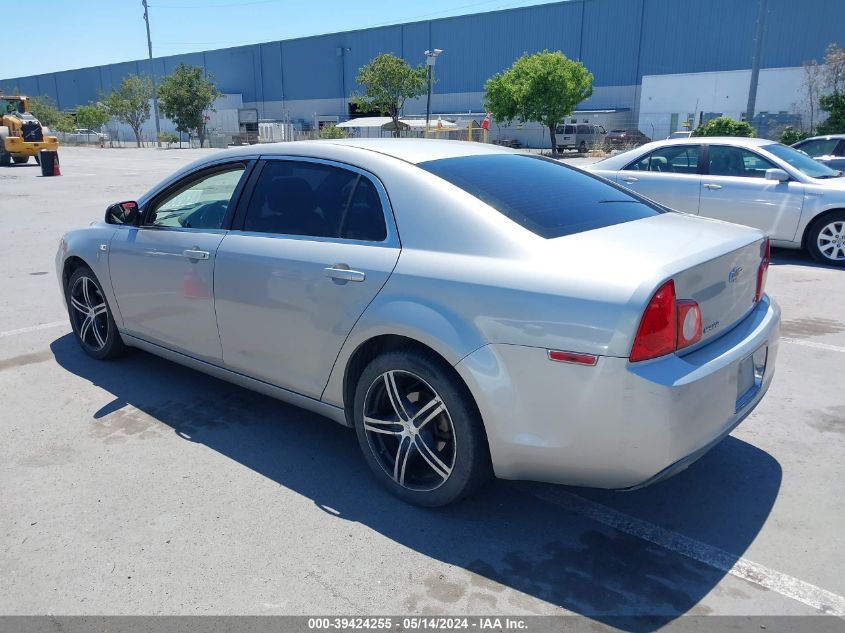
(572, 357)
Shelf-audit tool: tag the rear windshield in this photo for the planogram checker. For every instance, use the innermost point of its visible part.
(543, 195)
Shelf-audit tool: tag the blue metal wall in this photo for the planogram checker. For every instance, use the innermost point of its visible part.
(618, 40)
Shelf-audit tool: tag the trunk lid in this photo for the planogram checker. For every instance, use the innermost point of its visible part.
(712, 262)
(724, 288)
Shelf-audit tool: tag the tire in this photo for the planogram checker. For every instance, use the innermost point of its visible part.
(37, 159)
(424, 457)
(90, 316)
(826, 239)
(582, 148)
(20, 160)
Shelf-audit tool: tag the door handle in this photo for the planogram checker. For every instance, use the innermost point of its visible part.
(712, 186)
(341, 272)
(630, 179)
(195, 254)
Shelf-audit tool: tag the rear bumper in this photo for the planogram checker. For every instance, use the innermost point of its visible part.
(617, 424)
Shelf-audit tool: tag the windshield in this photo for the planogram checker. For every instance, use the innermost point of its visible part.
(8, 106)
(801, 161)
(543, 195)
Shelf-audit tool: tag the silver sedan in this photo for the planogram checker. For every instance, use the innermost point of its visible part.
(795, 200)
(468, 309)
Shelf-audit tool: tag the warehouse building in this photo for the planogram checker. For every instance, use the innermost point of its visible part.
(656, 63)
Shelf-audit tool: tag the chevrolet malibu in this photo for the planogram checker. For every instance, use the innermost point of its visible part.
(470, 310)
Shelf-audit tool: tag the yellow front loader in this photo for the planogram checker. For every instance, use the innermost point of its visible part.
(21, 134)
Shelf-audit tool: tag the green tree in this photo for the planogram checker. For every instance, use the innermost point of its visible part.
(130, 103)
(791, 135)
(834, 105)
(185, 97)
(92, 116)
(388, 82)
(725, 126)
(544, 87)
(44, 109)
(168, 138)
(332, 131)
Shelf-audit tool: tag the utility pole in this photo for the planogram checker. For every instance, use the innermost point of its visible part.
(430, 59)
(755, 61)
(152, 70)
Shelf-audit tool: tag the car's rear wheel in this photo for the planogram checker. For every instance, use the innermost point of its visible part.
(90, 316)
(419, 429)
(20, 160)
(826, 239)
(582, 147)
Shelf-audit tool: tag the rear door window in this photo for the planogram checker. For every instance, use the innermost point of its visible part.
(542, 195)
(316, 200)
(820, 147)
(672, 159)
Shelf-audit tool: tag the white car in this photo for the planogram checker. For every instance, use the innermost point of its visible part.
(84, 135)
(796, 200)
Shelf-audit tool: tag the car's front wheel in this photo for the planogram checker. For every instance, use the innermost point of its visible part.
(826, 239)
(90, 316)
(419, 429)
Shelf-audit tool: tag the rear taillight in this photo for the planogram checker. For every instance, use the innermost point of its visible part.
(763, 270)
(657, 334)
(668, 324)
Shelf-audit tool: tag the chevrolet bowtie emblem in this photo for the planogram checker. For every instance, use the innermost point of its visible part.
(734, 274)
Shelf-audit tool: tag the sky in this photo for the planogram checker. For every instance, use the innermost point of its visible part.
(95, 32)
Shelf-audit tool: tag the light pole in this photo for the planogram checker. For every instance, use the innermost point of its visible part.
(430, 59)
(152, 72)
(755, 61)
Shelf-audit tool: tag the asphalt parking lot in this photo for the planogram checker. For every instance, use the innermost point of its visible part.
(141, 487)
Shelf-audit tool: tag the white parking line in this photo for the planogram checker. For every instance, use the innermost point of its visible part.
(825, 346)
(794, 588)
(34, 328)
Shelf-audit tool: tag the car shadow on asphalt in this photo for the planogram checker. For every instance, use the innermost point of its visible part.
(503, 536)
(793, 257)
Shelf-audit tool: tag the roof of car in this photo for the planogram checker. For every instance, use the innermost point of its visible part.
(411, 150)
(721, 140)
(822, 137)
(615, 161)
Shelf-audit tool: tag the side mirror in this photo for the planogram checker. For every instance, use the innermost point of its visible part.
(123, 213)
(777, 174)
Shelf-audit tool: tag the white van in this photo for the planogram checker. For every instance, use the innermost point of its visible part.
(581, 136)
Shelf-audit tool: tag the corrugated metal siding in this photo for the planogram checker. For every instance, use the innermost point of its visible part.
(270, 60)
(798, 31)
(363, 46)
(233, 70)
(610, 37)
(689, 37)
(618, 40)
(479, 46)
(312, 68)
